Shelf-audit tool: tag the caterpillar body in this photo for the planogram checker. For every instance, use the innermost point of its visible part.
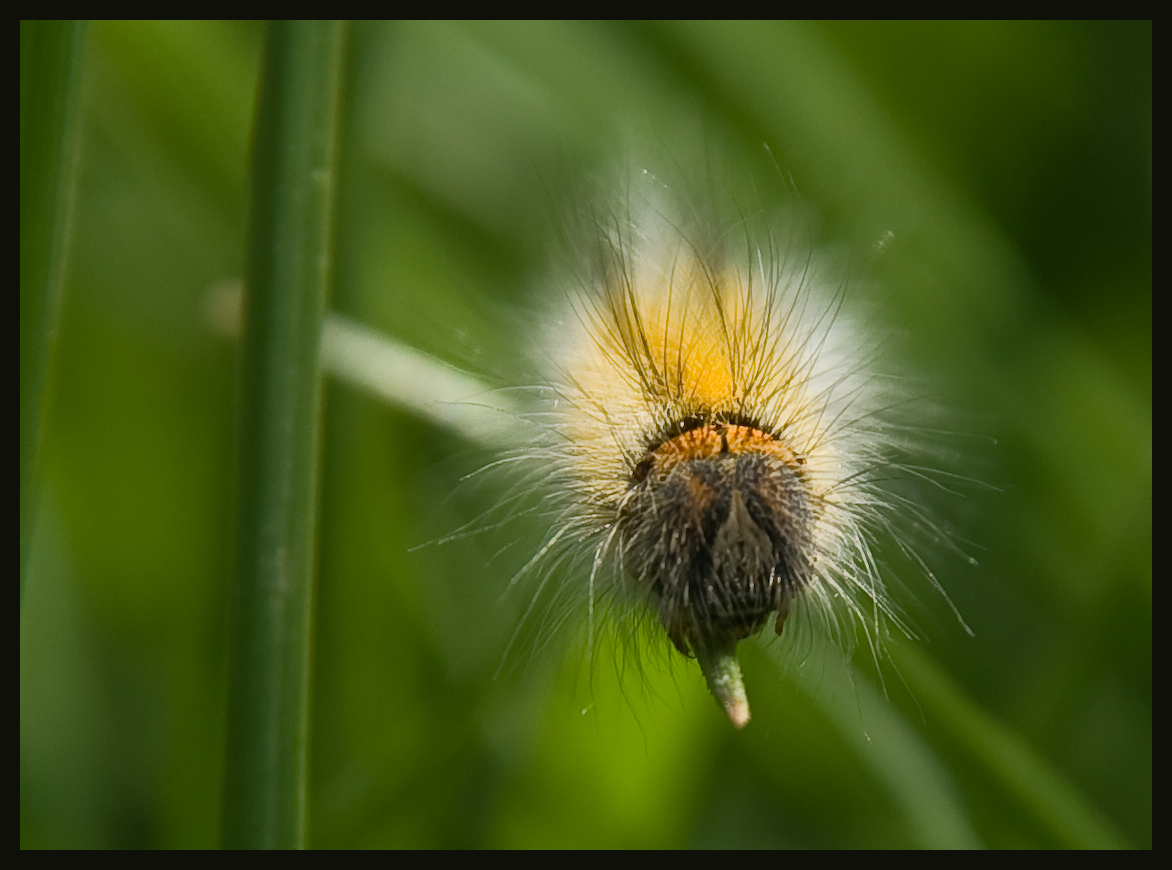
(716, 446)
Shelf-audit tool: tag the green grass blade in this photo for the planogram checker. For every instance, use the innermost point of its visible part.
(294, 169)
(50, 91)
(1022, 773)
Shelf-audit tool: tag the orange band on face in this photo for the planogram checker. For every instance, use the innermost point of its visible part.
(712, 439)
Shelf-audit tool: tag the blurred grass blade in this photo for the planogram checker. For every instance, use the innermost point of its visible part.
(294, 168)
(50, 98)
(1023, 774)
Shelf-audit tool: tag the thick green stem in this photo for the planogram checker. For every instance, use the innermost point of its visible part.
(294, 169)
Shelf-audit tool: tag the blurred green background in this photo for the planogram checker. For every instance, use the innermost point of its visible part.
(1012, 165)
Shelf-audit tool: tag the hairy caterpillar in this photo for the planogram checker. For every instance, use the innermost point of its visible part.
(716, 447)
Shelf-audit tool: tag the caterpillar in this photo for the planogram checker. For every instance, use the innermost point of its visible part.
(717, 446)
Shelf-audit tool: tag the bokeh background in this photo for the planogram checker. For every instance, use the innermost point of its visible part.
(1011, 165)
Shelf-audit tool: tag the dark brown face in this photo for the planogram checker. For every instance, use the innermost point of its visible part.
(718, 524)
